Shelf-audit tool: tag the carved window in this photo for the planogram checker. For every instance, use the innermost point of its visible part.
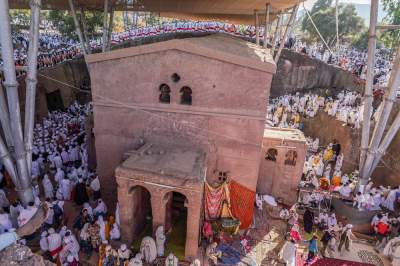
(291, 158)
(271, 154)
(165, 93)
(186, 95)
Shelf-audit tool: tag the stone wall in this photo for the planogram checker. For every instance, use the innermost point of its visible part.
(65, 77)
(297, 72)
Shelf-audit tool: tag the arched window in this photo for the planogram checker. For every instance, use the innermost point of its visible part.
(165, 93)
(291, 158)
(271, 155)
(186, 95)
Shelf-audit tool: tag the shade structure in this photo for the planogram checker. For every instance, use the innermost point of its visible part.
(233, 11)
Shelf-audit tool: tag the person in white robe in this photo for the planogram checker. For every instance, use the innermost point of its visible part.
(117, 218)
(101, 208)
(123, 254)
(148, 249)
(332, 221)
(5, 222)
(71, 245)
(44, 243)
(115, 233)
(390, 200)
(54, 240)
(48, 187)
(102, 225)
(59, 175)
(288, 253)
(58, 161)
(65, 186)
(4, 202)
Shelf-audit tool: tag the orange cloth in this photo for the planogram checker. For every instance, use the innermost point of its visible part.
(109, 225)
(336, 181)
(242, 203)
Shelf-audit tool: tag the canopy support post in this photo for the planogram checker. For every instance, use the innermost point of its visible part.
(267, 24)
(105, 16)
(278, 25)
(77, 27)
(31, 80)
(368, 98)
(257, 27)
(110, 27)
(85, 31)
(394, 83)
(287, 29)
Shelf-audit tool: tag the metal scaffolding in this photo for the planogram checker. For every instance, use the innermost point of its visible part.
(287, 29)
(16, 161)
(368, 87)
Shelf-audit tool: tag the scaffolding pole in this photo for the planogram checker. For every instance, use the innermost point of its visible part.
(24, 188)
(77, 27)
(390, 98)
(105, 15)
(337, 24)
(110, 27)
(5, 120)
(85, 31)
(257, 27)
(287, 29)
(31, 80)
(368, 89)
(267, 23)
(278, 25)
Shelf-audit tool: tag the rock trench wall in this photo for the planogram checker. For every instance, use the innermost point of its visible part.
(298, 72)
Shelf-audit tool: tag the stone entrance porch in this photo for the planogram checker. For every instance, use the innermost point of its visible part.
(149, 178)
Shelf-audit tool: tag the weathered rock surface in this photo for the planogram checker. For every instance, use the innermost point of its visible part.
(23, 256)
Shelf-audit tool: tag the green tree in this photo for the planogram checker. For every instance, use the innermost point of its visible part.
(64, 22)
(319, 5)
(361, 41)
(350, 24)
(391, 38)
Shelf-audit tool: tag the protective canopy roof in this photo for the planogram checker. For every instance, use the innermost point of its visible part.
(233, 11)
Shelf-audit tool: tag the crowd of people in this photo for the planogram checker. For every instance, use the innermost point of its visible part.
(53, 49)
(288, 110)
(351, 59)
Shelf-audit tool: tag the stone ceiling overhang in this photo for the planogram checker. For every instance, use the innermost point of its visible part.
(232, 11)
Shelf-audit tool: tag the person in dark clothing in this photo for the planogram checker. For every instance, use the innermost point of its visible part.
(336, 148)
(326, 237)
(82, 219)
(308, 219)
(81, 195)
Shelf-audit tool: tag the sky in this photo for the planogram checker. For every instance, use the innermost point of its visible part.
(310, 3)
(362, 11)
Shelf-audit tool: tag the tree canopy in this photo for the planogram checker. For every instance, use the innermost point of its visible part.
(391, 38)
(323, 15)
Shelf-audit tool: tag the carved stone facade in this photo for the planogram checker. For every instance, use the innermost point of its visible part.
(282, 160)
(204, 94)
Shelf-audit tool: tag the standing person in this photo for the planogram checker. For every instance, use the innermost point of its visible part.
(288, 253)
(81, 195)
(48, 187)
(345, 237)
(312, 249)
(65, 186)
(308, 219)
(95, 187)
(326, 238)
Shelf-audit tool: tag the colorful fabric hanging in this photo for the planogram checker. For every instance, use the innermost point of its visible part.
(213, 199)
(242, 203)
